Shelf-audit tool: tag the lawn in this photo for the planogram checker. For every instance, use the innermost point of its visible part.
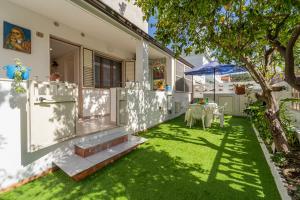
(176, 163)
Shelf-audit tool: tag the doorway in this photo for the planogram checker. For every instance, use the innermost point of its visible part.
(64, 61)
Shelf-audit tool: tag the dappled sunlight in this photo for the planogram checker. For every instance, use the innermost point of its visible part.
(177, 162)
(96, 102)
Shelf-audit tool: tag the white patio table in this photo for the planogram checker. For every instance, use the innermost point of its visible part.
(202, 112)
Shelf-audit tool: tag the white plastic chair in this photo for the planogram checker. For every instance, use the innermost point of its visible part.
(194, 113)
(219, 113)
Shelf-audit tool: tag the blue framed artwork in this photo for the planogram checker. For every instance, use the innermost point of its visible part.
(16, 38)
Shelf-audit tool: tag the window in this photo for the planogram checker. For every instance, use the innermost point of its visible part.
(107, 72)
(188, 81)
(88, 78)
(158, 73)
(184, 83)
(117, 74)
(179, 85)
(295, 94)
(97, 64)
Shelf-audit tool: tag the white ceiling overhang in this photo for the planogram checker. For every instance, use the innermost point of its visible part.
(78, 18)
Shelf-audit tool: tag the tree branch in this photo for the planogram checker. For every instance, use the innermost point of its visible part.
(289, 71)
(278, 88)
(277, 28)
(268, 56)
(267, 59)
(273, 38)
(252, 68)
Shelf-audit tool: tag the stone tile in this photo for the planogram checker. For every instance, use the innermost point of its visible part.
(73, 164)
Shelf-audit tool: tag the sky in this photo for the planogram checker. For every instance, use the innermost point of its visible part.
(152, 30)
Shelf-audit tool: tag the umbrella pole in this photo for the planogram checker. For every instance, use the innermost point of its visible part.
(215, 85)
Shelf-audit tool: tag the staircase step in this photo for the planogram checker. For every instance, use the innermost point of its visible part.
(79, 167)
(89, 148)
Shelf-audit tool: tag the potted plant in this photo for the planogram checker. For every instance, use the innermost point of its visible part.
(18, 72)
(240, 89)
(158, 71)
(160, 85)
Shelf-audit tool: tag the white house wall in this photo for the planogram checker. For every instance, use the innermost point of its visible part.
(130, 11)
(142, 72)
(196, 59)
(39, 59)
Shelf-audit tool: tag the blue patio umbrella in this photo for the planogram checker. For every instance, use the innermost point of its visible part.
(214, 68)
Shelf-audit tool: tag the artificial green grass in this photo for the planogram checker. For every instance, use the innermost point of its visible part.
(176, 163)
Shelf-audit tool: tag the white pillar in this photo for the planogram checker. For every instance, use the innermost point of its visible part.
(170, 65)
(142, 73)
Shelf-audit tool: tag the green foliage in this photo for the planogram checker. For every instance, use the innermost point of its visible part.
(20, 69)
(280, 159)
(256, 112)
(227, 29)
(287, 121)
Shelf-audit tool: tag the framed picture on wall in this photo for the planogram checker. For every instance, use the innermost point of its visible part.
(16, 38)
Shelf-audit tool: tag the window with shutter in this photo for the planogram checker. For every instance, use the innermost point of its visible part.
(184, 83)
(88, 69)
(179, 85)
(129, 71)
(188, 81)
(108, 72)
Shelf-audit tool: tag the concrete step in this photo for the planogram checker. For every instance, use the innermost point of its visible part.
(112, 133)
(89, 148)
(79, 167)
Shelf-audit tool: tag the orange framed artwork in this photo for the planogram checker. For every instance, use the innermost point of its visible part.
(16, 38)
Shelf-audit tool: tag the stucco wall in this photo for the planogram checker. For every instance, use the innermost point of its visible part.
(128, 10)
(96, 102)
(147, 108)
(197, 60)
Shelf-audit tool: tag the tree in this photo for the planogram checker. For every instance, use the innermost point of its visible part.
(247, 32)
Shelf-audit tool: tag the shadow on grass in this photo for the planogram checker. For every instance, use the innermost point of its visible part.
(176, 163)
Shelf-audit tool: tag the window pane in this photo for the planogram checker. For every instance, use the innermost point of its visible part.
(97, 71)
(179, 85)
(106, 72)
(188, 85)
(187, 68)
(179, 69)
(117, 69)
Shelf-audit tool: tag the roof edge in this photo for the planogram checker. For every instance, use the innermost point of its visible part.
(107, 10)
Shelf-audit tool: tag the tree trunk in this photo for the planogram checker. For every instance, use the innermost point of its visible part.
(272, 115)
(272, 111)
